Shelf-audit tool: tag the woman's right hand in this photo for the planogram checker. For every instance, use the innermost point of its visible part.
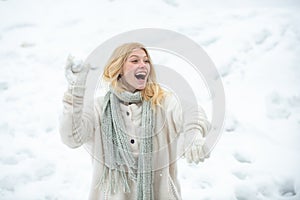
(76, 73)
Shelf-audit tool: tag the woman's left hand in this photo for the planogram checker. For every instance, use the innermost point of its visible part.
(196, 151)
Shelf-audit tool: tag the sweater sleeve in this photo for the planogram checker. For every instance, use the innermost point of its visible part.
(190, 121)
(77, 123)
(195, 122)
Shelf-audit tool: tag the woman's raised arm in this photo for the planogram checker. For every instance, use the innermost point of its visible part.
(77, 122)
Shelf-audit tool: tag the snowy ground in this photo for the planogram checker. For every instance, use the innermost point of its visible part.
(255, 46)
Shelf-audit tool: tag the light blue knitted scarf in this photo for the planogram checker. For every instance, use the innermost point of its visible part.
(120, 165)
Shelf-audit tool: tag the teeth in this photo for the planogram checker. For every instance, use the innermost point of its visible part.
(141, 73)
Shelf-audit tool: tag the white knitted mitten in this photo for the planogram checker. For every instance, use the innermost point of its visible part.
(196, 152)
(76, 73)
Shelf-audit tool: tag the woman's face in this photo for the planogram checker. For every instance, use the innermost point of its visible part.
(136, 70)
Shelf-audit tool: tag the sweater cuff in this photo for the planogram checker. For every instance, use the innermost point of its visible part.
(68, 98)
(77, 90)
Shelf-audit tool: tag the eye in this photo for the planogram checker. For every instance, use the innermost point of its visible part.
(134, 61)
(147, 61)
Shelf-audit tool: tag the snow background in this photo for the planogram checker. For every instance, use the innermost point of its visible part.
(254, 44)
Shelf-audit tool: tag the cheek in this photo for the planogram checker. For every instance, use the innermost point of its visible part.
(128, 68)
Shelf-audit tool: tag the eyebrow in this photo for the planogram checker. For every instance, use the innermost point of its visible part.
(138, 56)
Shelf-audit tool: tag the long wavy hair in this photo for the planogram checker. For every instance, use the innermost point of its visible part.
(113, 69)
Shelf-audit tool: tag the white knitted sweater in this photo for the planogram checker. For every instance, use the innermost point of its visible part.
(80, 125)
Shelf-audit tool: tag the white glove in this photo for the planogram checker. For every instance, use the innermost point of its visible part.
(196, 152)
(76, 74)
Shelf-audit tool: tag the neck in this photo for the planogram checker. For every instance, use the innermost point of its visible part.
(125, 85)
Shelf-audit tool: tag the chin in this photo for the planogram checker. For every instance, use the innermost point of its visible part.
(141, 88)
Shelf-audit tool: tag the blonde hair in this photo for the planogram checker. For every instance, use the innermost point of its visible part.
(113, 69)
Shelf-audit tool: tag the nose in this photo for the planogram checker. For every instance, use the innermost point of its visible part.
(143, 64)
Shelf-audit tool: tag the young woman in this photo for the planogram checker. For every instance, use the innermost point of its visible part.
(134, 132)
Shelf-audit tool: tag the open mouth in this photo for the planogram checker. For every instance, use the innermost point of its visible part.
(141, 75)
